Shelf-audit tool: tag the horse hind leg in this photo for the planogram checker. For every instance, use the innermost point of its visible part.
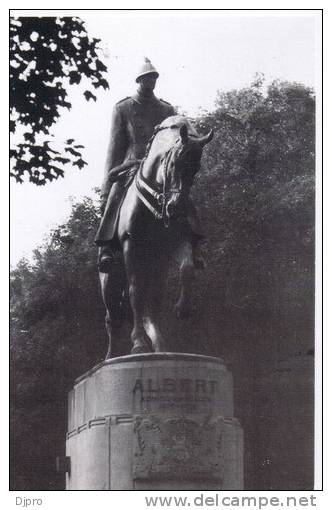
(108, 326)
(111, 296)
(152, 316)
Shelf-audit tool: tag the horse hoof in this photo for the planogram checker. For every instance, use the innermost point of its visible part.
(140, 349)
(141, 343)
(108, 355)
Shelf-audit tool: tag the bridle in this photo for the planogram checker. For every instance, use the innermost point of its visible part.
(163, 194)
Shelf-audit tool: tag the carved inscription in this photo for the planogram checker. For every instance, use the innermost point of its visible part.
(175, 392)
(178, 447)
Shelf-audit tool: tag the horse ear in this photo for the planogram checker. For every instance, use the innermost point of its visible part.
(205, 139)
(184, 134)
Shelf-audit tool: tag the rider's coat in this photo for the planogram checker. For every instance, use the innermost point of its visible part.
(133, 122)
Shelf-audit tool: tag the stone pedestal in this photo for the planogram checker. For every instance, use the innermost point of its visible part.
(154, 421)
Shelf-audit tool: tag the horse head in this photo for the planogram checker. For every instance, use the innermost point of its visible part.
(182, 166)
(173, 160)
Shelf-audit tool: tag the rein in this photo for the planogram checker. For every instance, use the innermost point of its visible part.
(162, 196)
(142, 184)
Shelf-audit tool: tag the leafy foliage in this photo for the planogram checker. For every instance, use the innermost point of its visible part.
(56, 330)
(47, 56)
(257, 194)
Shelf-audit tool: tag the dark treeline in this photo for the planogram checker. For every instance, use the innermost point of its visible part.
(255, 299)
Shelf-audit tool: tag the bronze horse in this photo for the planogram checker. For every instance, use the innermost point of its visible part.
(152, 228)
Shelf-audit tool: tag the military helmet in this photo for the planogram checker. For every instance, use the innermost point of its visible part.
(147, 68)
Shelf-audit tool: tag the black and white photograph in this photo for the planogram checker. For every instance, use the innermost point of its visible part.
(165, 178)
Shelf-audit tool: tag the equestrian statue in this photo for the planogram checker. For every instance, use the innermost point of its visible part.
(148, 218)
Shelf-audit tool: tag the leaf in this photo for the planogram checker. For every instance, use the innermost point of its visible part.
(72, 151)
(62, 160)
(100, 66)
(80, 163)
(57, 170)
(48, 148)
(74, 77)
(88, 95)
(101, 83)
(30, 137)
(16, 177)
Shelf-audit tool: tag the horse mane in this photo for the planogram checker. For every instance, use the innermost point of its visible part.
(173, 122)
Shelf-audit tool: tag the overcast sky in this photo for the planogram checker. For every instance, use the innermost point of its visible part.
(196, 54)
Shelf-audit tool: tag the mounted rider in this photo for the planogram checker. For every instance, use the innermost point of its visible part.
(133, 122)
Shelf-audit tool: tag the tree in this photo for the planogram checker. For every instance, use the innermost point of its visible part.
(57, 331)
(48, 55)
(258, 190)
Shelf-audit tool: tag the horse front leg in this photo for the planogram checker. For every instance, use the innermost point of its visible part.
(136, 286)
(155, 293)
(185, 259)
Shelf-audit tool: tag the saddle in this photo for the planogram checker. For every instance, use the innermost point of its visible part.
(120, 178)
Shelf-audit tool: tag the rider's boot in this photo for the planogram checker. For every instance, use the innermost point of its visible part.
(141, 343)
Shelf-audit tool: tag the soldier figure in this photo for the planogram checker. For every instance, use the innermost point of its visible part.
(133, 122)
